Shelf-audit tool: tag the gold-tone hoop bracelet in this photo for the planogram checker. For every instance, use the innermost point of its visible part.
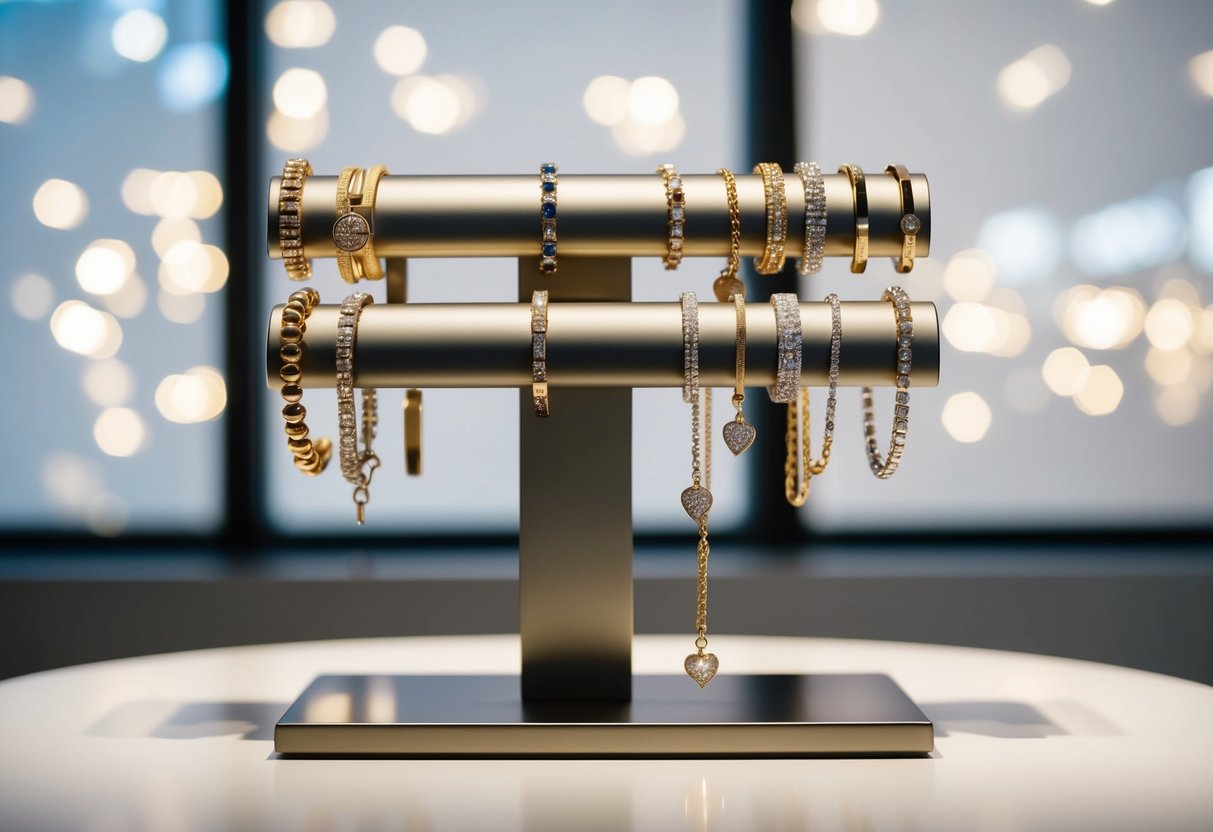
(354, 228)
(675, 202)
(799, 469)
(775, 197)
(310, 457)
(910, 223)
(901, 409)
(729, 283)
(290, 219)
(412, 432)
(739, 434)
(357, 466)
(539, 353)
(859, 198)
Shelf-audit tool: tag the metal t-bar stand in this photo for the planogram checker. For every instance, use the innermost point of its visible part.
(577, 696)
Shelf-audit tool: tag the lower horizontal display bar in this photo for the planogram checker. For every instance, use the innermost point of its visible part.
(602, 345)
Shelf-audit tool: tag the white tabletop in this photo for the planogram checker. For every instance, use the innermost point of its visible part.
(184, 741)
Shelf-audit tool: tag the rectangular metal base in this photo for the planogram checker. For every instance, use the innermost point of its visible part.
(821, 715)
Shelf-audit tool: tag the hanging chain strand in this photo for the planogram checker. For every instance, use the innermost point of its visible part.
(795, 485)
(707, 438)
(701, 606)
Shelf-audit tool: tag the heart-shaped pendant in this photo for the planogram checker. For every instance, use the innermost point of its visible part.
(738, 436)
(726, 286)
(697, 501)
(701, 667)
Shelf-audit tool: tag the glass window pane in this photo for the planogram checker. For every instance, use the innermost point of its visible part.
(416, 88)
(1067, 146)
(114, 265)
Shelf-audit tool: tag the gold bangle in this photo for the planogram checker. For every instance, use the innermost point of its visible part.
(910, 223)
(775, 197)
(412, 432)
(290, 219)
(901, 410)
(859, 196)
(310, 458)
(354, 228)
(675, 202)
(539, 353)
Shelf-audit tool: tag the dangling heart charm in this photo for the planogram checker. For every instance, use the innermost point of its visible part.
(738, 435)
(701, 667)
(726, 286)
(697, 501)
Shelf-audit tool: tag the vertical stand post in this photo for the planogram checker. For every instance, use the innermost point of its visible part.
(575, 516)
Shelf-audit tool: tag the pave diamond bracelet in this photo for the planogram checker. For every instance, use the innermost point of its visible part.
(356, 466)
(775, 197)
(539, 353)
(814, 217)
(901, 409)
(790, 347)
(290, 219)
(675, 201)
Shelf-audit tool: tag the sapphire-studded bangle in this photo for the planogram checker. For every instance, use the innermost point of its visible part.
(547, 213)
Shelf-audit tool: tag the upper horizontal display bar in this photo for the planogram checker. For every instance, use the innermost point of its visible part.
(600, 216)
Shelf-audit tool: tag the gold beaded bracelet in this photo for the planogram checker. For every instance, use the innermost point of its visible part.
(310, 458)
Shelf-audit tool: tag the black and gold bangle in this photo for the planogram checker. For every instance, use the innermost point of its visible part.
(859, 195)
(910, 223)
(290, 219)
(310, 457)
(776, 200)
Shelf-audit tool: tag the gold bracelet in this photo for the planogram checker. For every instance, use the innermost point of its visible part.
(354, 228)
(412, 432)
(729, 284)
(310, 458)
(356, 466)
(901, 410)
(539, 353)
(859, 196)
(290, 219)
(799, 469)
(775, 197)
(910, 223)
(675, 202)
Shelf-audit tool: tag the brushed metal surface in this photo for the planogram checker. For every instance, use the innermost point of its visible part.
(668, 716)
(575, 509)
(600, 344)
(599, 216)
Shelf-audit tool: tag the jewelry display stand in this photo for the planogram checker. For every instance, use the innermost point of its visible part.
(577, 696)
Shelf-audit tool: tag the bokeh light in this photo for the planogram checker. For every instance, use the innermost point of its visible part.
(400, 50)
(173, 230)
(16, 100)
(71, 481)
(137, 190)
(80, 328)
(139, 35)
(300, 93)
(296, 135)
(1065, 370)
(1169, 324)
(191, 76)
(966, 417)
(198, 395)
(119, 431)
(300, 24)
(1100, 391)
(970, 327)
(1201, 70)
(1099, 244)
(108, 382)
(652, 100)
(637, 139)
(104, 266)
(32, 296)
(1025, 84)
(60, 204)
(1177, 405)
(180, 308)
(434, 105)
(847, 17)
(1168, 366)
(1025, 244)
(127, 302)
(969, 275)
(1100, 320)
(606, 100)
(189, 266)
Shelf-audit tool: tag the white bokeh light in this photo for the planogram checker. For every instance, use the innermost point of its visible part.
(16, 100)
(300, 24)
(966, 417)
(652, 100)
(60, 204)
(32, 296)
(606, 100)
(400, 50)
(300, 93)
(139, 35)
(1100, 391)
(119, 431)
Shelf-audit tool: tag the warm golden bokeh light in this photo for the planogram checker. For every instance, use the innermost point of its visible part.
(104, 266)
(1100, 391)
(1026, 83)
(1201, 70)
(970, 327)
(300, 93)
(400, 50)
(16, 100)
(1101, 320)
(1177, 405)
(180, 309)
(32, 296)
(137, 190)
(79, 328)
(652, 100)
(848, 17)
(606, 100)
(966, 417)
(119, 431)
(969, 275)
(637, 139)
(435, 105)
(1169, 324)
(60, 204)
(297, 135)
(300, 24)
(1168, 366)
(172, 230)
(127, 302)
(208, 194)
(189, 266)
(108, 382)
(198, 395)
(71, 481)
(1065, 370)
